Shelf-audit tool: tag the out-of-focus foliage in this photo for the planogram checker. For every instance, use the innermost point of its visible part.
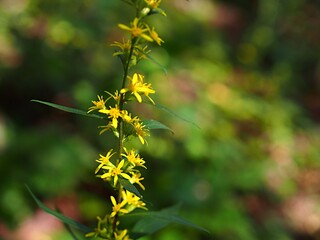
(246, 73)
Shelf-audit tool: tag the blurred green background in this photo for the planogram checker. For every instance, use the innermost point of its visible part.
(246, 74)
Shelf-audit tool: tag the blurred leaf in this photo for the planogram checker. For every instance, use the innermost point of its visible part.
(68, 109)
(130, 187)
(60, 216)
(68, 228)
(163, 108)
(128, 2)
(156, 62)
(153, 221)
(153, 124)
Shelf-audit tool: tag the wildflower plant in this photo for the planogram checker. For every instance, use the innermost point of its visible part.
(121, 166)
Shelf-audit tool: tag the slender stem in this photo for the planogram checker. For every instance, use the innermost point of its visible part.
(114, 226)
(126, 68)
(120, 127)
(122, 96)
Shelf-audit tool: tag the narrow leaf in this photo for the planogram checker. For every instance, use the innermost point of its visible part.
(68, 109)
(130, 187)
(150, 224)
(172, 113)
(128, 2)
(158, 64)
(153, 124)
(154, 61)
(163, 108)
(152, 221)
(72, 234)
(61, 217)
(68, 228)
(185, 222)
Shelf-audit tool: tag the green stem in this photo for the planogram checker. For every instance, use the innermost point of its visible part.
(126, 68)
(122, 96)
(120, 127)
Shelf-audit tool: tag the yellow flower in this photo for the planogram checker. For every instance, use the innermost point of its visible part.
(122, 235)
(115, 96)
(132, 200)
(136, 178)
(133, 158)
(118, 207)
(141, 130)
(106, 128)
(125, 46)
(153, 3)
(115, 172)
(139, 51)
(137, 86)
(135, 30)
(126, 116)
(104, 160)
(100, 230)
(100, 104)
(155, 36)
(113, 113)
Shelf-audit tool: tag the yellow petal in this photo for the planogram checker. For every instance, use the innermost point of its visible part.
(113, 200)
(141, 139)
(124, 27)
(115, 122)
(138, 97)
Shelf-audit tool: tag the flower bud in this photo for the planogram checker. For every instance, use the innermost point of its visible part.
(145, 11)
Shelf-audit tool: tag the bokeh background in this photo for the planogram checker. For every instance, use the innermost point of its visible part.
(243, 77)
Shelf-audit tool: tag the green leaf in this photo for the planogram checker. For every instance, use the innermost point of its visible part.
(130, 187)
(153, 60)
(153, 124)
(172, 113)
(157, 63)
(128, 2)
(69, 230)
(152, 221)
(68, 109)
(163, 108)
(72, 234)
(61, 217)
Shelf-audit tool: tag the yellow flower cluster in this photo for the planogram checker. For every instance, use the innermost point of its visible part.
(141, 30)
(153, 3)
(104, 230)
(126, 168)
(124, 164)
(136, 88)
(135, 49)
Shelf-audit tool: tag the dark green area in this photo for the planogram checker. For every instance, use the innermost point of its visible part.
(243, 77)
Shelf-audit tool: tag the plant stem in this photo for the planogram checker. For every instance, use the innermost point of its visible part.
(122, 96)
(120, 127)
(126, 68)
